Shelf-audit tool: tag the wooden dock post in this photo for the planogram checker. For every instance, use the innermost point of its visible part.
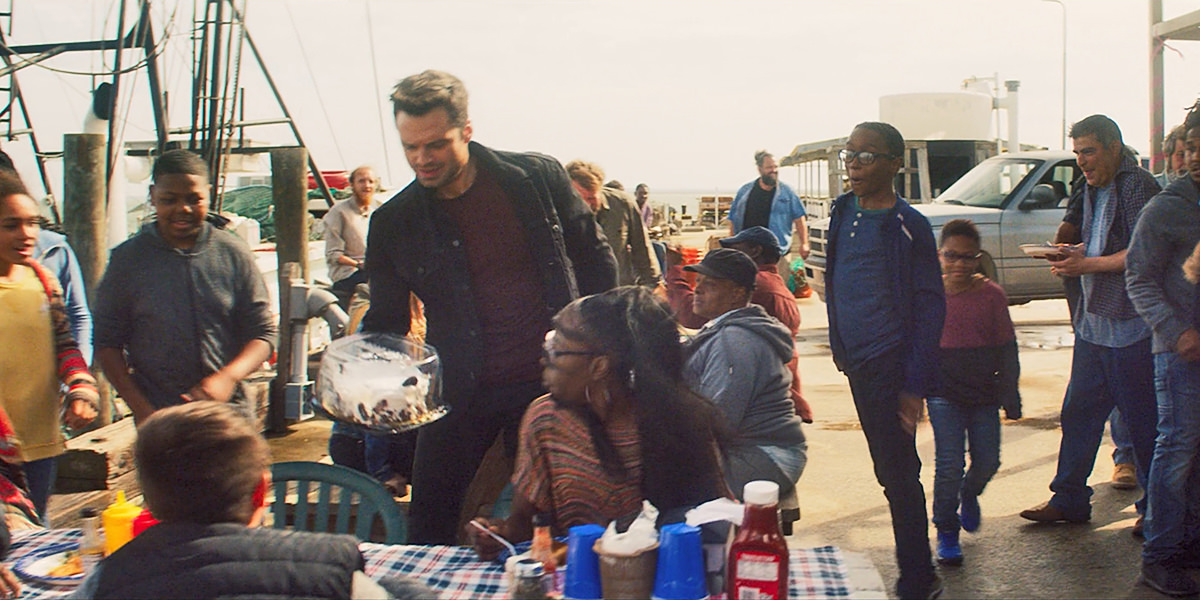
(290, 191)
(84, 212)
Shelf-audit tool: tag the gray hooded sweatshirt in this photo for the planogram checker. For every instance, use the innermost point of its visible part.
(739, 362)
(180, 315)
(1167, 231)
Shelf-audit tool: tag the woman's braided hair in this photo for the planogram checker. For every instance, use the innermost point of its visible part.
(677, 429)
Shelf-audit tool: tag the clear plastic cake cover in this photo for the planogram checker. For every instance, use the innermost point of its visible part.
(382, 382)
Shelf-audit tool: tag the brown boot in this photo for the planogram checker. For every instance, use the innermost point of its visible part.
(1124, 476)
(1048, 513)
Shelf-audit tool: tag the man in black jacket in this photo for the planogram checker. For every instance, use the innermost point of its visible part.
(494, 243)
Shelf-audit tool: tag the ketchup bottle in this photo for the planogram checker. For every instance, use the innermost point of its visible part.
(758, 557)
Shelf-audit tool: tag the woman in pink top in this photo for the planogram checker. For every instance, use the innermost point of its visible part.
(979, 373)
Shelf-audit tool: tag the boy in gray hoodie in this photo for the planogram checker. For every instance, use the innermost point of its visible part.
(182, 312)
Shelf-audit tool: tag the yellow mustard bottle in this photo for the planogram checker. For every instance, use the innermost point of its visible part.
(118, 522)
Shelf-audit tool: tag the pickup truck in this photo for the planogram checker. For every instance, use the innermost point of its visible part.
(1014, 199)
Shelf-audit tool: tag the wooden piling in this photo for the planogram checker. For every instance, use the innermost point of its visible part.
(84, 212)
(84, 204)
(290, 191)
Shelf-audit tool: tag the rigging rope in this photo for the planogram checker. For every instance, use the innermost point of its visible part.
(387, 159)
(316, 86)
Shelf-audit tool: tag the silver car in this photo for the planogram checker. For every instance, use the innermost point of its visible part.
(1014, 199)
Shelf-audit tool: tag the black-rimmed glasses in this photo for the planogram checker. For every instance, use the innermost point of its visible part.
(956, 257)
(864, 157)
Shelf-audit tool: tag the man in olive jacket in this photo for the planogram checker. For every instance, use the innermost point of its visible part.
(494, 243)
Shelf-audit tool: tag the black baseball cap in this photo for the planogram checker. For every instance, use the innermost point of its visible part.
(757, 235)
(725, 263)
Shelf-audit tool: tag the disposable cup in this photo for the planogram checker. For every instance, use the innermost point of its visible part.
(627, 577)
(680, 574)
(582, 579)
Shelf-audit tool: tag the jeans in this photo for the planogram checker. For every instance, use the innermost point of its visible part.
(1172, 519)
(1100, 377)
(345, 288)
(450, 450)
(39, 474)
(956, 427)
(1123, 452)
(876, 390)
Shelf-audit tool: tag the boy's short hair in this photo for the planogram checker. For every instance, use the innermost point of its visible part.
(179, 162)
(418, 94)
(200, 462)
(963, 227)
(1104, 128)
(891, 136)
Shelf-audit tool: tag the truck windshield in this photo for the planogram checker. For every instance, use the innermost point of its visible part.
(988, 184)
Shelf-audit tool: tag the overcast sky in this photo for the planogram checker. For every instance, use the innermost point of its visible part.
(678, 94)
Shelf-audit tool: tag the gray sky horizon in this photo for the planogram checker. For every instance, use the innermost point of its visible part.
(676, 93)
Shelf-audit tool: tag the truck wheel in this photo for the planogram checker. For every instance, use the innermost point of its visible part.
(987, 267)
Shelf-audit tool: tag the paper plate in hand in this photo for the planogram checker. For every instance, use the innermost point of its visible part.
(1042, 250)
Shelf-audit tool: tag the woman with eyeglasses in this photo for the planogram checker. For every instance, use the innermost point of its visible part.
(617, 426)
(979, 373)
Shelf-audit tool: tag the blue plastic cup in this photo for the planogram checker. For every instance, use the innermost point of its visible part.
(680, 573)
(582, 580)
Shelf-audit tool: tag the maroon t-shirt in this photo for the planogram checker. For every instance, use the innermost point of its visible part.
(506, 284)
(977, 318)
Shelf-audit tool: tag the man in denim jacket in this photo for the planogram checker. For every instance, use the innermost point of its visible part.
(494, 243)
(770, 203)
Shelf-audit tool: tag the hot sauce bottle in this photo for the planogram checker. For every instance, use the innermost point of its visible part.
(758, 557)
(542, 549)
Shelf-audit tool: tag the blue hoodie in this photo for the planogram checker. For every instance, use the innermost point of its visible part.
(916, 286)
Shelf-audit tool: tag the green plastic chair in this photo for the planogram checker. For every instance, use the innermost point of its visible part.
(373, 501)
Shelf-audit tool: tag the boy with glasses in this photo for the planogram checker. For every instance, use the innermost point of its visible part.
(886, 309)
(979, 373)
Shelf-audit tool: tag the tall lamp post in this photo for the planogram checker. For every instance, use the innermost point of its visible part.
(1064, 69)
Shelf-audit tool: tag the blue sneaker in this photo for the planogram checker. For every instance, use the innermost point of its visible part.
(968, 513)
(948, 550)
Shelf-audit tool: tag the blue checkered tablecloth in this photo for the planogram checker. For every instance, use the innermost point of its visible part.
(456, 573)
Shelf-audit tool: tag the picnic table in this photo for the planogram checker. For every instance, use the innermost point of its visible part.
(455, 572)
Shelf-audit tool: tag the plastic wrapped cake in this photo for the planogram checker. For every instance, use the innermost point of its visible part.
(383, 382)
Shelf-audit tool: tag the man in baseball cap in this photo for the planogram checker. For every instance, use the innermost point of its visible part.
(738, 360)
(771, 293)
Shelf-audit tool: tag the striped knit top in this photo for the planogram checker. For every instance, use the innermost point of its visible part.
(559, 470)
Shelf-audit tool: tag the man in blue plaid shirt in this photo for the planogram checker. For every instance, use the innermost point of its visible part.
(1112, 362)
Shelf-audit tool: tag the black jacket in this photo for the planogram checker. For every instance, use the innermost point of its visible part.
(414, 246)
(227, 560)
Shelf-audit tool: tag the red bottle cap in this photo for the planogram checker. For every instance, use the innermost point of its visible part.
(144, 521)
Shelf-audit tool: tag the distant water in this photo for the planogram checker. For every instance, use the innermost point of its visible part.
(689, 199)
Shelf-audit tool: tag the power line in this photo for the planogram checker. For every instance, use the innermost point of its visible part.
(316, 86)
(387, 159)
